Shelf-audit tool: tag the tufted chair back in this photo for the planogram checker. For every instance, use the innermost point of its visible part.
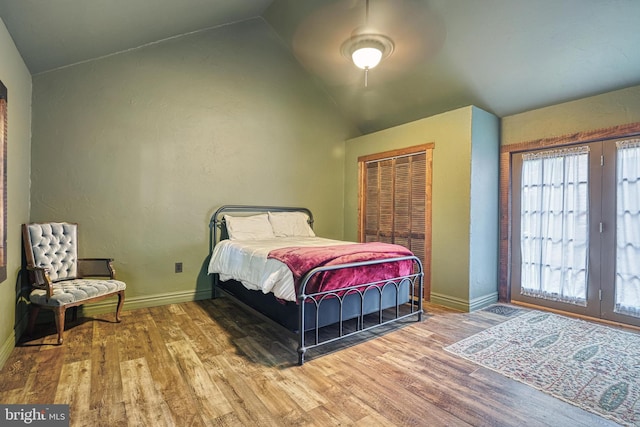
(55, 247)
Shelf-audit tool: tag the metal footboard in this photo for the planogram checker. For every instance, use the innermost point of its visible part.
(397, 284)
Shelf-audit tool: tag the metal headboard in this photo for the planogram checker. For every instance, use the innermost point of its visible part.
(218, 226)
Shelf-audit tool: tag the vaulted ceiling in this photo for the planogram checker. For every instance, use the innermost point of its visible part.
(505, 56)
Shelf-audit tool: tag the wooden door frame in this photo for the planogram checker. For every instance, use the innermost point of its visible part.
(3, 184)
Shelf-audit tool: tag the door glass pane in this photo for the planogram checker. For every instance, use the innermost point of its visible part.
(628, 228)
(554, 225)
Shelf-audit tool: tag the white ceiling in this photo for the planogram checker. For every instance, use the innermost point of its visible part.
(505, 56)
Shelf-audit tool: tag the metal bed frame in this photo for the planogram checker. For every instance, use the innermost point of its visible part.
(381, 300)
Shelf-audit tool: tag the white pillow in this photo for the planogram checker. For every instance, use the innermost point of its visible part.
(249, 227)
(290, 224)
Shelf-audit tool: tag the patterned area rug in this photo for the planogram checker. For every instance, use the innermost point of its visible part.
(586, 364)
(503, 310)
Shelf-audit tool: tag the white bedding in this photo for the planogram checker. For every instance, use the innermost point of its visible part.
(246, 261)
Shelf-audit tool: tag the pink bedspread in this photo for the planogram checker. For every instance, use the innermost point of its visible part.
(301, 260)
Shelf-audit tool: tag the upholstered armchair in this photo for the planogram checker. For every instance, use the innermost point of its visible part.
(60, 280)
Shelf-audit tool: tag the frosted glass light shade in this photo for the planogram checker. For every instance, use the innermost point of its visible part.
(366, 50)
(366, 57)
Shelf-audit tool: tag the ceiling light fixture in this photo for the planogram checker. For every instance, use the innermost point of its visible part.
(366, 50)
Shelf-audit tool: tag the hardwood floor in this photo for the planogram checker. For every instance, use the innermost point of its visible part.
(212, 363)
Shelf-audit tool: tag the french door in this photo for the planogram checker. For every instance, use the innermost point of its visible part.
(576, 229)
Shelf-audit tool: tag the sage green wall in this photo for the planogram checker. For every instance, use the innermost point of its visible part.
(483, 230)
(595, 112)
(141, 147)
(451, 133)
(16, 77)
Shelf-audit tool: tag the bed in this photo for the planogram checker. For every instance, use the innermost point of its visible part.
(269, 259)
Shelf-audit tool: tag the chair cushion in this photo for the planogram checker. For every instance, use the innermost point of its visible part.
(71, 291)
(55, 247)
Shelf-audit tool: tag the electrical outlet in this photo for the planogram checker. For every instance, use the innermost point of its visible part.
(178, 267)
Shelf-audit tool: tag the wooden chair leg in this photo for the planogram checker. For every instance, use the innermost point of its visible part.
(59, 313)
(33, 315)
(120, 304)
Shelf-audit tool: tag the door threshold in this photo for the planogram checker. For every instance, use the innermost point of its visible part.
(578, 316)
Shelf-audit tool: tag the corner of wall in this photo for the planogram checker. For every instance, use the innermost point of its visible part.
(484, 209)
(16, 77)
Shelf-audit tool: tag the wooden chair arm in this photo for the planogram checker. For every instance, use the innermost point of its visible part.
(96, 267)
(40, 279)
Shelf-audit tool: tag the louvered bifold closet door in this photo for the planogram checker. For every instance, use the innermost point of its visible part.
(379, 215)
(395, 202)
(409, 203)
(386, 201)
(372, 203)
(417, 209)
(402, 202)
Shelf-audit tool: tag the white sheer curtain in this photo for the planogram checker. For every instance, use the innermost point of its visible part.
(554, 220)
(628, 228)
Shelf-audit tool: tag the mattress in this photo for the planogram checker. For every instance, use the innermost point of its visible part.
(246, 261)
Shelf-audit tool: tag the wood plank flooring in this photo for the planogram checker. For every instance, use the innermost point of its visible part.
(211, 363)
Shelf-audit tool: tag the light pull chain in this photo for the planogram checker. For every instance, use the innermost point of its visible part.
(366, 24)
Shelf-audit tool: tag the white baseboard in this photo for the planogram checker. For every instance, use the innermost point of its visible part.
(449, 301)
(10, 343)
(7, 347)
(134, 303)
(483, 301)
(462, 304)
